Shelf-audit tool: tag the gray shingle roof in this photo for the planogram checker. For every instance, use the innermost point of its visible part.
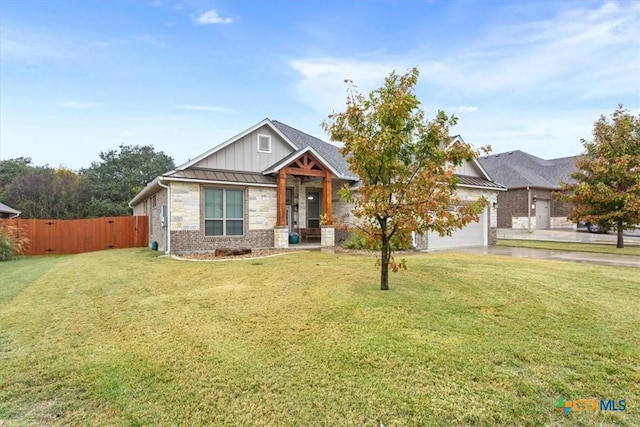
(8, 210)
(517, 169)
(329, 152)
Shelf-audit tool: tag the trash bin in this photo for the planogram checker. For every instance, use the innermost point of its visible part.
(154, 246)
(293, 239)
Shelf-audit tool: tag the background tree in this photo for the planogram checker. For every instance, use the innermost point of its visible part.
(607, 187)
(405, 164)
(10, 169)
(44, 192)
(120, 175)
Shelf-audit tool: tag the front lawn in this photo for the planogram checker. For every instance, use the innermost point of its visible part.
(125, 338)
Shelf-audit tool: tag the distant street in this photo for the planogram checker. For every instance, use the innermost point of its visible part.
(579, 236)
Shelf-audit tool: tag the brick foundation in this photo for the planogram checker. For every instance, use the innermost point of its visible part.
(195, 241)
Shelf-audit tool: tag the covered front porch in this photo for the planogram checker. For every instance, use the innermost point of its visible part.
(304, 202)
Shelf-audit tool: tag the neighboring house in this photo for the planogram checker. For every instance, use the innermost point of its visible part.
(530, 181)
(256, 188)
(8, 212)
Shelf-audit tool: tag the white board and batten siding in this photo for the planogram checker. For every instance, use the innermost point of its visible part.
(243, 154)
(474, 234)
(468, 169)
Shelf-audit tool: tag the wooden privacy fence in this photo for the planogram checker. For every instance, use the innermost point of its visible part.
(73, 236)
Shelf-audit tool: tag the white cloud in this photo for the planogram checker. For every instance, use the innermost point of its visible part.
(322, 84)
(207, 108)
(79, 105)
(32, 44)
(463, 109)
(570, 51)
(580, 53)
(537, 86)
(150, 40)
(212, 17)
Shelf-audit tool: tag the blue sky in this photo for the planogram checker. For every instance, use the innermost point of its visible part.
(81, 77)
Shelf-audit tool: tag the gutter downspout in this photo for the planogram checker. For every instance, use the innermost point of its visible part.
(529, 208)
(15, 215)
(167, 225)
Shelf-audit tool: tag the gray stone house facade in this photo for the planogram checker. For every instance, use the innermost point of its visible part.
(258, 187)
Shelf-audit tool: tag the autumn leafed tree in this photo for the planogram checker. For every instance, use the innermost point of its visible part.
(405, 163)
(43, 192)
(607, 187)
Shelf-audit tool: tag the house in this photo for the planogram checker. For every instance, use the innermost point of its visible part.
(530, 181)
(254, 189)
(8, 212)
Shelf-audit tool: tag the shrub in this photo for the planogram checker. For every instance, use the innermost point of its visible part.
(13, 241)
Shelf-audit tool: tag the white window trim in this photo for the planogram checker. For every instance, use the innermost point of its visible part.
(268, 138)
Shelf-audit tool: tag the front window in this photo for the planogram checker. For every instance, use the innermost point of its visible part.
(223, 212)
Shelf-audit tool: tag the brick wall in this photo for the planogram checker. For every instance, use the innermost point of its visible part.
(511, 203)
(195, 241)
(513, 212)
(151, 207)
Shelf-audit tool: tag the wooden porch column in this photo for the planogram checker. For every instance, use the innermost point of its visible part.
(327, 190)
(281, 199)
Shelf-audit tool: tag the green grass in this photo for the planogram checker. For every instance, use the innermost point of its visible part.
(124, 338)
(567, 246)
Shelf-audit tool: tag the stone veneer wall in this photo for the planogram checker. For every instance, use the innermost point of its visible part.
(263, 209)
(185, 206)
(187, 219)
(562, 222)
(493, 235)
(281, 237)
(522, 222)
(341, 210)
(327, 236)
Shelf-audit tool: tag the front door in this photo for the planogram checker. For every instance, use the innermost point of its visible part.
(313, 208)
(289, 219)
(542, 214)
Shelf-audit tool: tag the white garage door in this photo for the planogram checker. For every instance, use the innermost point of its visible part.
(474, 234)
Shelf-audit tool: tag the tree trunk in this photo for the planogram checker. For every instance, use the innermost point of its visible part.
(384, 267)
(620, 244)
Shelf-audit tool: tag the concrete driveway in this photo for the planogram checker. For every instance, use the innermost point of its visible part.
(580, 236)
(583, 257)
